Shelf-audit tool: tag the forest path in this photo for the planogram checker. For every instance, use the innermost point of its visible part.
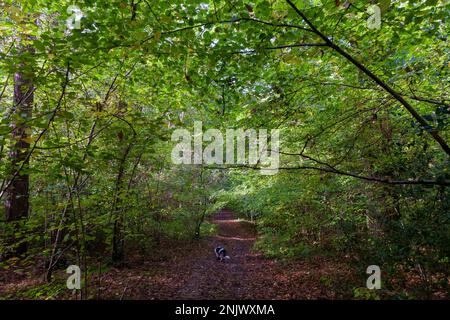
(212, 279)
(190, 270)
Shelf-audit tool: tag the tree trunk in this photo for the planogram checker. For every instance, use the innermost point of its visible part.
(118, 254)
(17, 194)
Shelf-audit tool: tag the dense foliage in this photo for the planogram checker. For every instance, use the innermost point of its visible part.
(87, 116)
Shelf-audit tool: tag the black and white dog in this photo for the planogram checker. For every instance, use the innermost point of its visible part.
(221, 254)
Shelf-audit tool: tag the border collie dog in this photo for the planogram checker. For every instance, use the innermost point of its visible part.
(221, 253)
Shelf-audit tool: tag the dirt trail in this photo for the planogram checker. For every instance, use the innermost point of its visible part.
(248, 275)
(224, 280)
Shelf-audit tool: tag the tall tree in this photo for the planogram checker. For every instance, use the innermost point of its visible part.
(17, 193)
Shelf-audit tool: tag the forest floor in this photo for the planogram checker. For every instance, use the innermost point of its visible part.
(191, 271)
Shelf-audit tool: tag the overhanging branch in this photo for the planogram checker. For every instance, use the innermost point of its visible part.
(444, 182)
(376, 79)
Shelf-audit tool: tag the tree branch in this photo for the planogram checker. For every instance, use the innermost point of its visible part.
(444, 182)
(376, 79)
